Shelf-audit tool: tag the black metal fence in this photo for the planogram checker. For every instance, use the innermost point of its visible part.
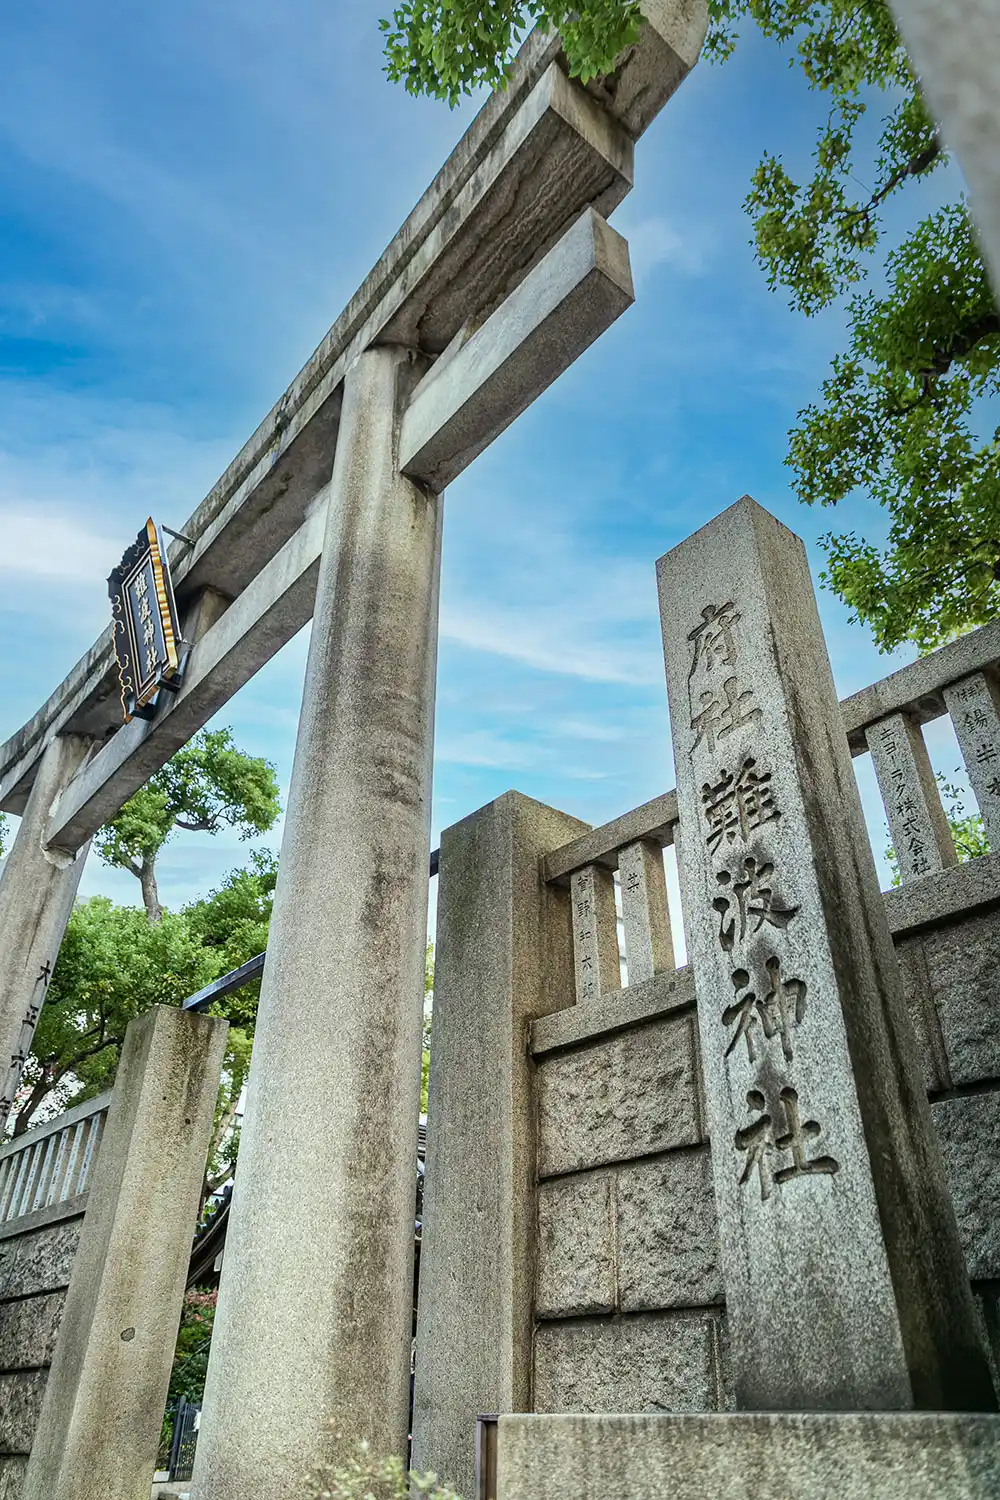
(187, 1415)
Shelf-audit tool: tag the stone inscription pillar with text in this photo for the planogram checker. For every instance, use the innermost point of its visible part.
(845, 1282)
(314, 1324)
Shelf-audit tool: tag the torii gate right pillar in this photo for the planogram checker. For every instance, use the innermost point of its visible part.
(315, 1311)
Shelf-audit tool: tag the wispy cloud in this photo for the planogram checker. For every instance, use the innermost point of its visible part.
(46, 544)
(654, 241)
(549, 642)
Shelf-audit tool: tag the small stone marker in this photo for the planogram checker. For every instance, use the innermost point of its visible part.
(649, 947)
(595, 933)
(844, 1277)
(917, 822)
(974, 706)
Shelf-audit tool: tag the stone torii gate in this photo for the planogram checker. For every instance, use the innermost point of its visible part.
(503, 274)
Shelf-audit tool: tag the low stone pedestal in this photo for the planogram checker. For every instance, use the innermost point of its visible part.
(750, 1455)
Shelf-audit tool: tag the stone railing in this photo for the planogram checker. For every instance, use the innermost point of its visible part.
(50, 1167)
(885, 719)
(633, 845)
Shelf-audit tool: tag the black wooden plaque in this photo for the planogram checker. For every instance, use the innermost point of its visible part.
(146, 632)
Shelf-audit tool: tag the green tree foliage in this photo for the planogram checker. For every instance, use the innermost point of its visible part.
(903, 416)
(208, 785)
(449, 47)
(357, 1473)
(190, 1367)
(114, 964)
(194, 1336)
(3, 834)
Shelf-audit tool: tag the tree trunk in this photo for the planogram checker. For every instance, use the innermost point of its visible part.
(150, 895)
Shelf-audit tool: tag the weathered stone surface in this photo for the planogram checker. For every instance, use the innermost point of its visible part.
(649, 947)
(987, 1301)
(470, 396)
(12, 1472)
(942, 898)
(20, 1403)
(655, 820)
(665, 1362)
(361, 785)
(954, 48)
(99, 1426)
(919, 828)
(912, 959)
(974, 706)
(668, 1237)
(36, 898)
(41, 1261)
(28, 1329)
(845, 1281)
(630, 1095)
(969, 1132)
(963, 962)
(750, 1456)
(595, 933)
(619, 1010)
(576, 1246)
(503, 955)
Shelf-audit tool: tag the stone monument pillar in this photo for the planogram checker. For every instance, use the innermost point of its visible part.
(102, 1412)
(845, 1282)
(503, 956)
(37, 891)
(315, 1311)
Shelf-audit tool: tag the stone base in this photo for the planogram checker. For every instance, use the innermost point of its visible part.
(750, 1455)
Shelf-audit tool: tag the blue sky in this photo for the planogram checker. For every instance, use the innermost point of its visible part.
(188, 196)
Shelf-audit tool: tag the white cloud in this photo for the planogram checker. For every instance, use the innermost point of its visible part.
(655, 242)
(44, 544)
(550, 641)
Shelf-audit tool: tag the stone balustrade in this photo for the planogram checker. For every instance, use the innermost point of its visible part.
(49, 1167)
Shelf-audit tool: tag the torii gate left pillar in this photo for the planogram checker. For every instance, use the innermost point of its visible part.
(37, 892)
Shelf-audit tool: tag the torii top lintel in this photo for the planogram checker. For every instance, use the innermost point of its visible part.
(502, 274)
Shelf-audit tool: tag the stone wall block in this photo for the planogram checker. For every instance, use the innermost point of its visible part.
(21, 1395)
(12, 1472)
(628, 1096)
(667, 1362)
(969, 1131)
(750, 1456)
(668, 1236)
(576, 1246)
(28, 1329)
(41, 1261)
(963, 965)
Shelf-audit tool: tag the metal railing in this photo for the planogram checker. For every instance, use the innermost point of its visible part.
(51, 1164)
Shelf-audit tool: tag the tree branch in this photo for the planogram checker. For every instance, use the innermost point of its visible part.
(912, 168)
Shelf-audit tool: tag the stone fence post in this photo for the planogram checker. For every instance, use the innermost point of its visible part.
(845, 1282)
(503, 956)
(103, 1407)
